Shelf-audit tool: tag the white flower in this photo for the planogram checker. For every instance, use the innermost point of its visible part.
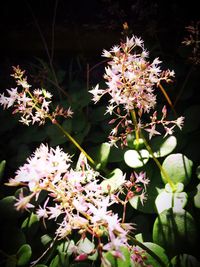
(54, 212)
(96, 92)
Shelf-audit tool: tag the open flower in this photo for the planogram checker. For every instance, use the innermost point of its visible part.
(131, 80)
(33, 106)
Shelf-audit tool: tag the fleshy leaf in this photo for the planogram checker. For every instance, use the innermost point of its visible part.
(162, 147)
(184, 260)
(46, 239)
(175, 231)
(100, 154)
(136, 159)
(178, 167)
(85, 246)
(66, 247)
(7, 208)
(114, 181)
(159, 251)
(2, 168)
(31, 224)
(116, 154)
(117, 261)
(103, 154)
(197, 197)
(40, 265)
(23, 255)
(14, 235)
(55, 262)
(198, 172)
(166, 200)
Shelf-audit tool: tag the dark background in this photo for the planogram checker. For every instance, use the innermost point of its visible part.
(86, 27)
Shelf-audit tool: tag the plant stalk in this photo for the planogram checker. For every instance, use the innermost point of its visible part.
(75, 143)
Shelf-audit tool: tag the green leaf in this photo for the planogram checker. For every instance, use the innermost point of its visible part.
(178, 167)
(116, 261)
(161, 147)
(159, 251)
(46, 239)
(132, 142)
(116, 154)
(55, 262)
(197, 197)
(31, 224)
(40, 265)
(7, 209)
(11, 238)
(114, 181)
(184, 260)
(81, 264)
(79, 122)
(56, 137)
(66, 247)
(103, 154)
(136, 159)
(166, 200)
(139, 237)
(79, 96)
(24, 255)
(98, 114)
(198, 172)
(85, 246)
(94, 256)
(2, 168)
(175, 231)
(178, 188)
(100, 154)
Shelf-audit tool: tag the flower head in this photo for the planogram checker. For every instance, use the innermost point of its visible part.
(33, 107)
(131, 80)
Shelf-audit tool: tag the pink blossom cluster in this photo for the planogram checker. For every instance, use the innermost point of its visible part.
(34, 106)
(130, 77)
(75, 199)
(130, 82)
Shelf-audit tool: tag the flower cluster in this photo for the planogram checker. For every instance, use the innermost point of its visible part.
(76, 199)
(131, 80)
(130, 77)
(34, 107)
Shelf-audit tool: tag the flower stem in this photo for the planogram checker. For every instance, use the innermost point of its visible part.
(167, 98)
(133, 115)
(74, 142)
(158, 163)
(137, 133)
(65, 132)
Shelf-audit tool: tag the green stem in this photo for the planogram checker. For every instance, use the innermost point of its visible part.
(75, 143)
(158, 163)
(149, 251)
(150, 150)
(65, 133)
(133, 115)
